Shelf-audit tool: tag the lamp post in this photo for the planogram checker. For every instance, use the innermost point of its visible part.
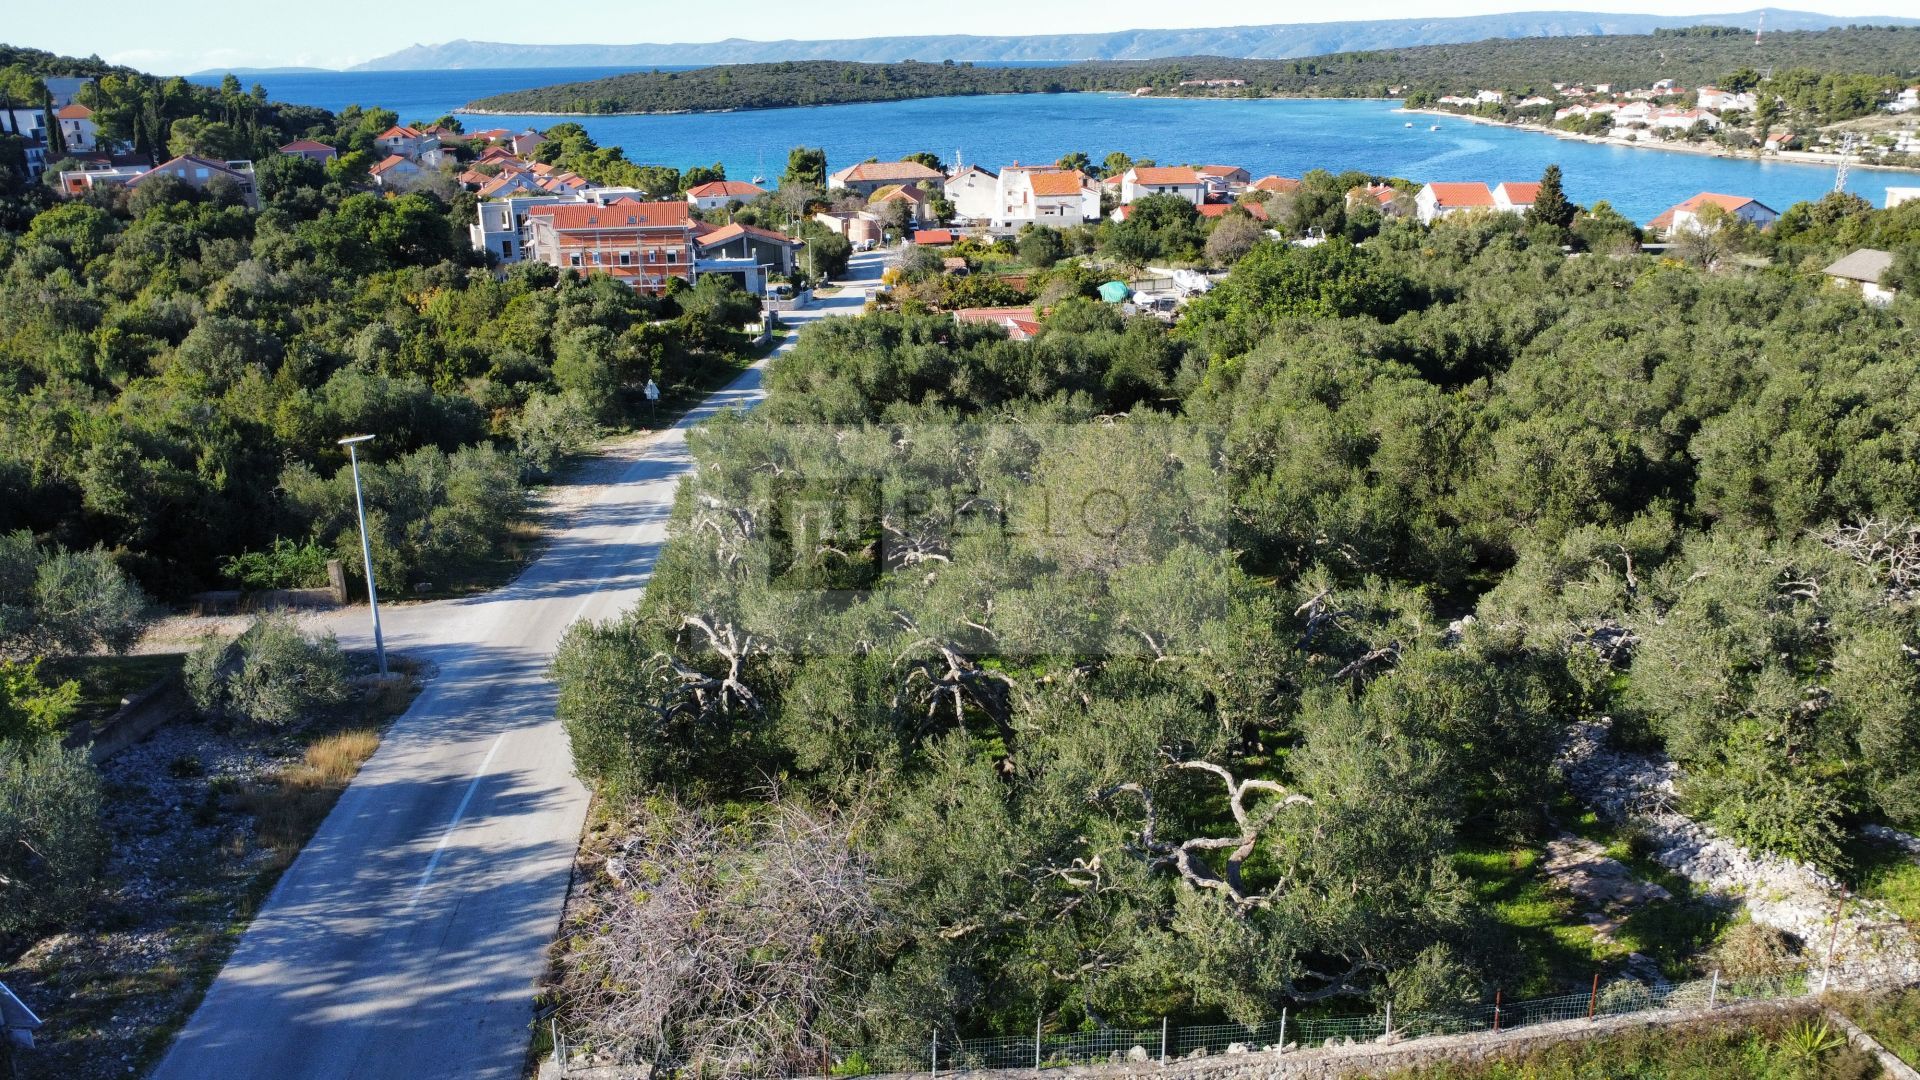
(366, 549)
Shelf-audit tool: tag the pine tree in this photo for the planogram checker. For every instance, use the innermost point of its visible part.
(1550, 205)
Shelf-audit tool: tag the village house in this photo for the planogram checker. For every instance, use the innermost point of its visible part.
(76, 127)
(1899, 195)
(974, 193)
(311, 150)
(751, 256)
(77, 182)
(1533, 102)
(525, 142)
(501, 222)
(868, 177)
(1383, 197)
(1682, 119)
(1223, 180)
(410, 143)
(1049, 196)
(916, 199)
(1279, 185)
(640, 244)
(1861, 272)
(1906, 100)
(860, 227)
(1515, 198)
(719, 193)
(1436, 201)
(1162, 180)
(394, 171)
(201, 173)
(1710, 97)
(1686, 216)
(507, 182)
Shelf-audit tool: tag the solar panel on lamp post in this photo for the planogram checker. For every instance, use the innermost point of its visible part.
(351, 442)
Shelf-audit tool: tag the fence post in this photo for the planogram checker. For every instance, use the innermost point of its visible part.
(936, 1051)
(1713, 989)
(1839, 911)
(1282, 1044)
(1389, 1018)
(1593, 1001)
(559, 1055)
(1496, 1010)
(1036, 1042)
(1163, 1041)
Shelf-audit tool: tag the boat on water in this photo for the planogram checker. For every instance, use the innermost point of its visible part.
(1435, 127)
(1409, 123)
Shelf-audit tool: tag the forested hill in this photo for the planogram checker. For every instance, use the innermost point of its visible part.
(1691, 56)
(1278, 40)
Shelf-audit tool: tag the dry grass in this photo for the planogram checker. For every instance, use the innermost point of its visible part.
(289, 807)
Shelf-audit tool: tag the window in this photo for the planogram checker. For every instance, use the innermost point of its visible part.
(573, 259)
(506, 249)
(626, 258)
(671, 255)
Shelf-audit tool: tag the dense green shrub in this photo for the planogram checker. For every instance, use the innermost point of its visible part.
(272, 675)
(51, 840)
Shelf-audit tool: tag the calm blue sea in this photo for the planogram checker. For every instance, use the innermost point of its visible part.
(1286, 137)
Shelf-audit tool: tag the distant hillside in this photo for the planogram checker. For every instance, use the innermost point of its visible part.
(1692, 56)
(1273, 41)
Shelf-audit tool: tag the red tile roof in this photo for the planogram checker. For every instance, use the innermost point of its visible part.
(890, 170)
(1219, 209)
(1461, 195)
(1276, 183)
(933, 236)
(1165, 175)
(734, 230)
(74, 111)
(305, 146)
(389, 162)
(1522, 194)
(1056, 182)
(728, 189)
(1218, 170)
(191, 159)
(620, 214)
(398, 131)
(1729, 203)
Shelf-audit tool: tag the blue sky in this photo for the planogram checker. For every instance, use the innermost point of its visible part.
(178, 38)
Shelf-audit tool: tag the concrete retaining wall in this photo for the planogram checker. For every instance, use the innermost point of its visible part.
(137, 718)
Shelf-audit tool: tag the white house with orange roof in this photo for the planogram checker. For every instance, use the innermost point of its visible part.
(1689, 216)
(411, 143)
(393, 171)
(1223, 180)
(76, 127)
(1276, 184)
(1439, 200)
(1045, 196)
(311, 149)
(869, 177)
(719, 193)
(1515, 198)
(1139, 182)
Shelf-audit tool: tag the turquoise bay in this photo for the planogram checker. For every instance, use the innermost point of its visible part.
(1267, 136)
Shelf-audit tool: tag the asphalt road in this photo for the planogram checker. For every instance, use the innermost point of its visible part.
(405, 940)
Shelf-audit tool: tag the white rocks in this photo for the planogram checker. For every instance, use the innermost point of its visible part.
(1236, 1048)
(1893, 838)
(1137, 1053)
(1871, 945)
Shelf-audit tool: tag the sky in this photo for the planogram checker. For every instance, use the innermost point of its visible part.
(179, 38)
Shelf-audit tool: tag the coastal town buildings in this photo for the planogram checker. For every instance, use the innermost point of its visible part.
(751, 256)
(419, 147)
(1440, 200)
(501, 222)
(1046, 196)
(201, 173)
(393, 171)
(77, 129)
(974, 193)
(860, 227)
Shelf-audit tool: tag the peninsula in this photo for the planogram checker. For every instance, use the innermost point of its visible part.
(1692, 56)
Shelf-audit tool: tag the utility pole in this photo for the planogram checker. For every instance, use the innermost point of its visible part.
(352, 442)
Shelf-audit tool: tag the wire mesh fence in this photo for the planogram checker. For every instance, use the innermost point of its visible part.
(1169, 1042)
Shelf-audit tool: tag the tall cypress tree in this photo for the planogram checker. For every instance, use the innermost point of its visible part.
(1550, 205)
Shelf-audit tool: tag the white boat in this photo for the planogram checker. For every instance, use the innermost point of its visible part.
(1435, 127)
(1409, 123)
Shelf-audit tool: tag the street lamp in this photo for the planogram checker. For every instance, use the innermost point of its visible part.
(366, 549)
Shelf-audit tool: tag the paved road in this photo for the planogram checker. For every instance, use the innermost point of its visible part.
(405, 940)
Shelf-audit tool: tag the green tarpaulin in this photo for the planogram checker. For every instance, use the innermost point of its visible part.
(1115, 292)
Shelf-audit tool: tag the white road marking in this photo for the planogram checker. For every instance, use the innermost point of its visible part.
(440, 848)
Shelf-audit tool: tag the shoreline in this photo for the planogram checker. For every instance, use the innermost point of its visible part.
(1788, 157)
(468, 110)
